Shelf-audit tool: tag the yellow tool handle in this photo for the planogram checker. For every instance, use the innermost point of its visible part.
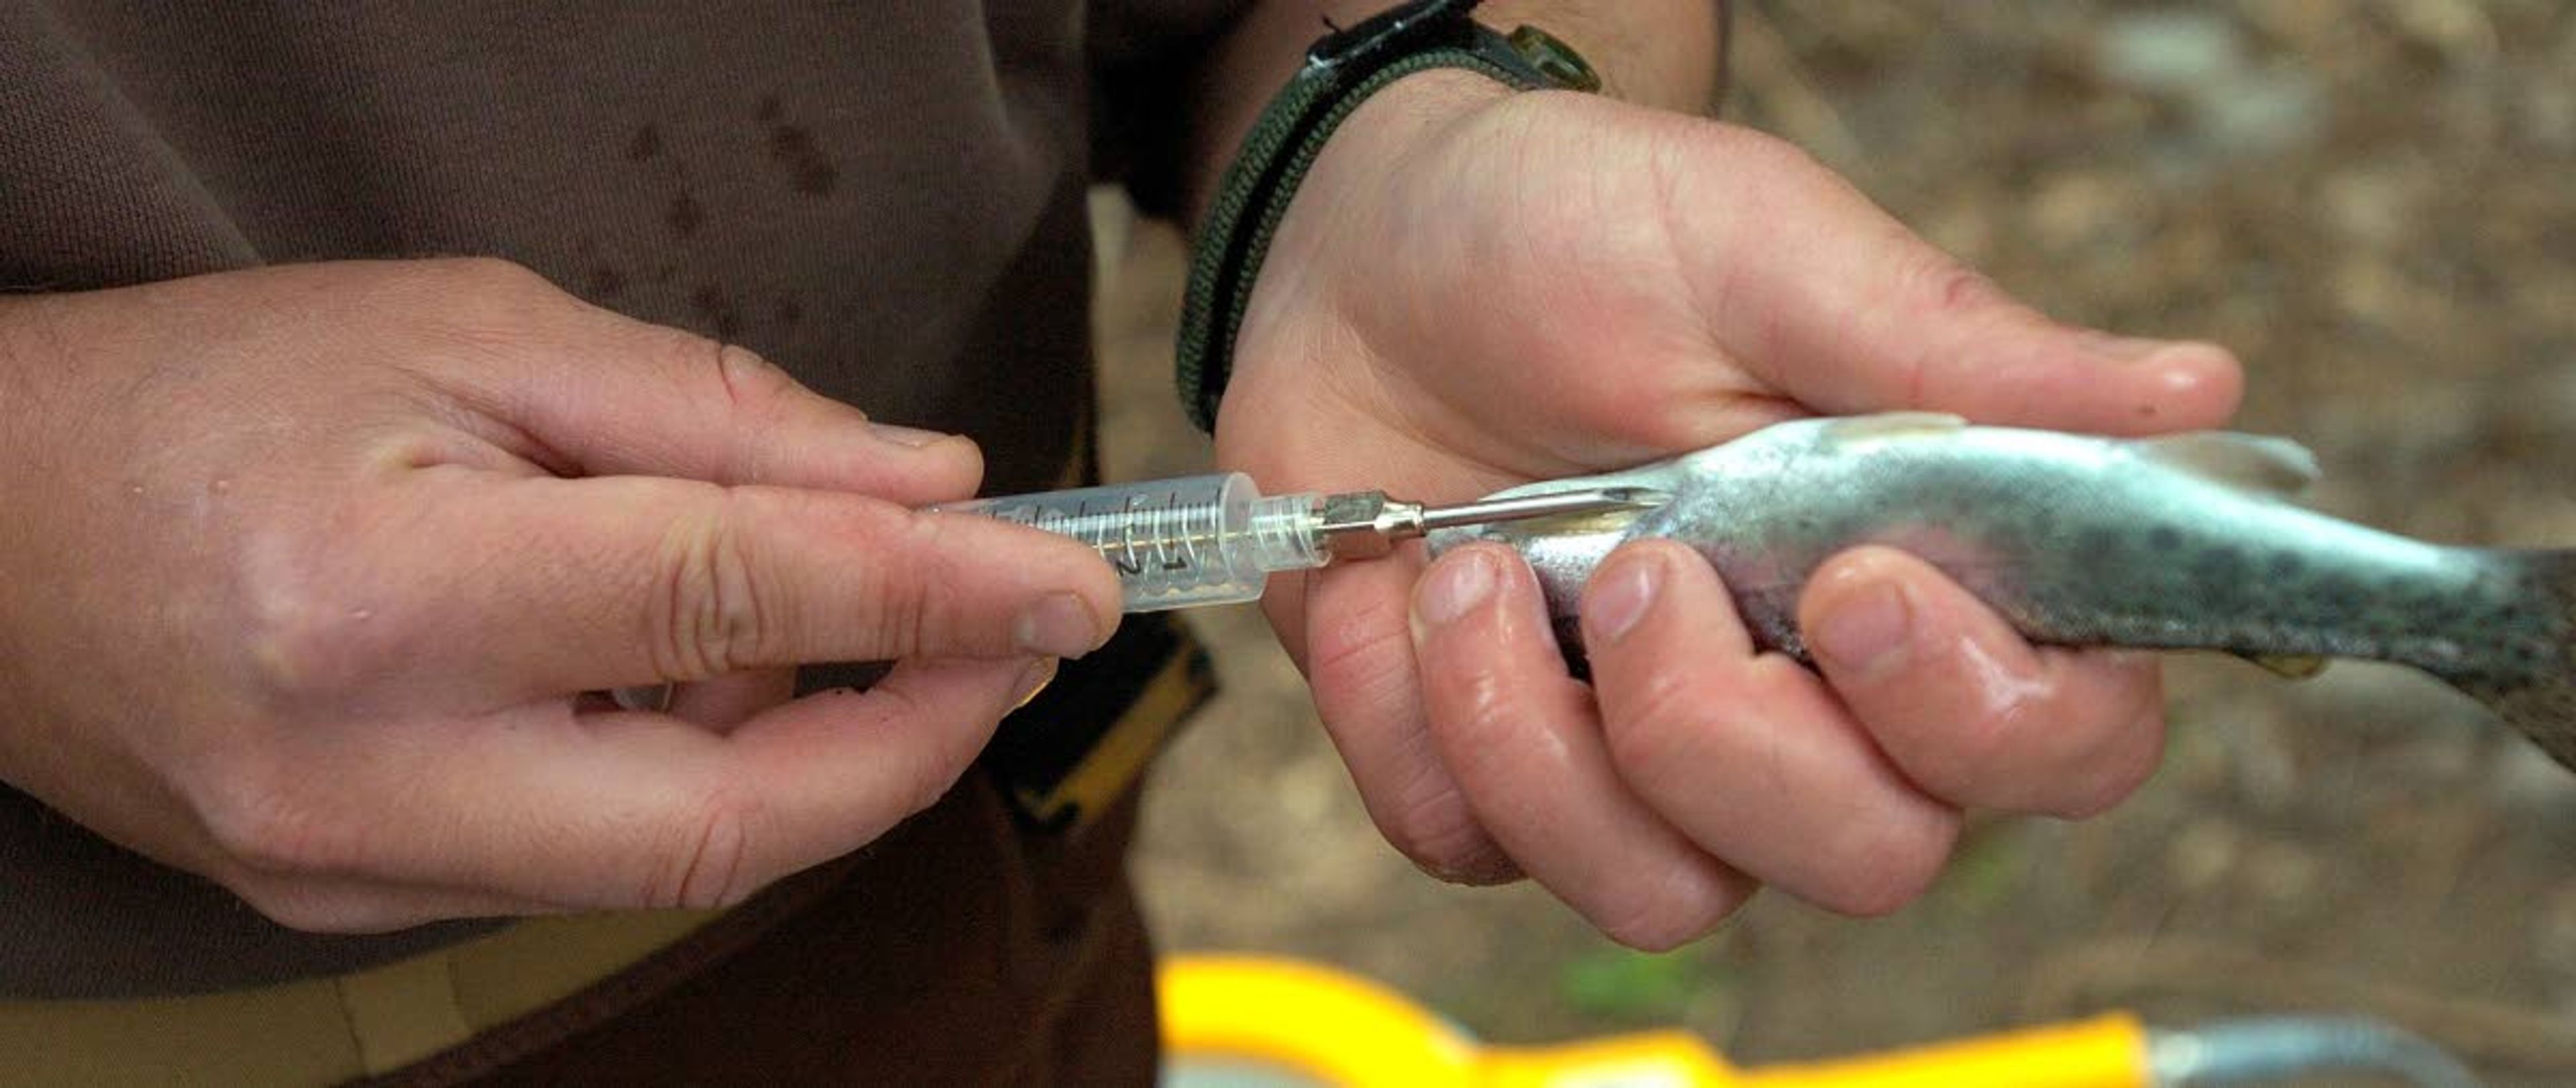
(2108, 1051)
(1338, 1030)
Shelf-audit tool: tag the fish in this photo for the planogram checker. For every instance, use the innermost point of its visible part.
(2190, 541)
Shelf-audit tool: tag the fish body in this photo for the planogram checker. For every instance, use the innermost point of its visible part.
(2181, 542)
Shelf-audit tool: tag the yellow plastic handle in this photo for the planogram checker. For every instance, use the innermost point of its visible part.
(1335, 1029)
(2108, 1051)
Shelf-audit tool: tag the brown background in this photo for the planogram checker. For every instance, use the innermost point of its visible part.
(2371, 200)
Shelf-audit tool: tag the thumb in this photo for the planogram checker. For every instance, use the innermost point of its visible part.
(624, 581)
(1820, 293)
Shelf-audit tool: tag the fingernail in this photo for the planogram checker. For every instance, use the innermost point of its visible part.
(906, 436)
(1453, 588)
(1865, 633)
(2125, 349)
(1034, 680)
(1059, 625)
(1614, 602)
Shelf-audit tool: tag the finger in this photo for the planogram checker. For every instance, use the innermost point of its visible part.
(1965, 705)
(720, 703)
(627, 810)
(1523, 742)
(319, 904)
(1745, 752)
(632, 580)
(1851, 312)
(702, 411)
(604, 394)
(1357, 651)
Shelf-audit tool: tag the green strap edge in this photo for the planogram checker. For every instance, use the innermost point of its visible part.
(1220, 289)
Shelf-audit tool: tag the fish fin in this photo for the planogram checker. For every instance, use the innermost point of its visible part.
(1893, 425)
(2527, 674)
(2288, 666)
(2259, 463)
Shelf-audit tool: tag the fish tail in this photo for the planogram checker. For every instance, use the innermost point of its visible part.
(2526, 666)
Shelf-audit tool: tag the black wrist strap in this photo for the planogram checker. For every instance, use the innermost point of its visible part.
(1341, 71)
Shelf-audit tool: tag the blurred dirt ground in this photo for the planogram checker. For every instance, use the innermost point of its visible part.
(2370, 200)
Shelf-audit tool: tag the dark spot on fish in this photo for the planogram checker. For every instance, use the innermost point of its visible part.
(770, 108)
(793, 148)
(607, 282)
(717, 310)
(2164, 538)
(2146, 411)
(685, 216)
(788, 312)
(2218, 566)
(2333, 591)
(646, 144)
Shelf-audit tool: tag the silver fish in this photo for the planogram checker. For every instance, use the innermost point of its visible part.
(2182, 542)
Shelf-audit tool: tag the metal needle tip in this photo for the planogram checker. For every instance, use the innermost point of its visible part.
(1596, 500)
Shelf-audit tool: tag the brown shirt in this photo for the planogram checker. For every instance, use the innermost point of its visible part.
(885, 198)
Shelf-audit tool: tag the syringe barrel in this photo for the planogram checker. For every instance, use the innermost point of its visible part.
(1179, 543)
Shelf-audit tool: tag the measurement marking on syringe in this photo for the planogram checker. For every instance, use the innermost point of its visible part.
(1178, 558)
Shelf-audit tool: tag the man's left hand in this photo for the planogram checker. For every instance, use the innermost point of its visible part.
(1475, 289)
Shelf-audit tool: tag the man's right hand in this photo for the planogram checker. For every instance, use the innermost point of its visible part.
(309, 577)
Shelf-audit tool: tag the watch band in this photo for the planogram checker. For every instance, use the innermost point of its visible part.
(1341, 71)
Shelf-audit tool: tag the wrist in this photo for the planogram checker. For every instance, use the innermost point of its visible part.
(1407, 114)
(1343, 72)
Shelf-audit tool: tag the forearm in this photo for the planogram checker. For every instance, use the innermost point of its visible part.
(1655, 52)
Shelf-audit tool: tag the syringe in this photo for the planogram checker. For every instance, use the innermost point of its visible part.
(1215, 539)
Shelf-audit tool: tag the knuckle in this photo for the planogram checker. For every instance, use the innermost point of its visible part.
(911, 777)
(1654, 726)
(1944, 286)
(916, 590)
(483, 277)
(478, 292)
(1752, 152)
(749, 382)
(486, 305)
(926, 779)
(306, 641)
(265, 818)
(1667, 915)
(753, 394)
(2125, 759)
(706, 864)
(1938, 293)
(298, 906)
(1963, 762)
(1362, 655)
(706, 616)
(1886, 863)
(928, 771)
(1436, 832)
(1478, 718)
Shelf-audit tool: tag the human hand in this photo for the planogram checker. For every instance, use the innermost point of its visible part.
(307, 572)
(1475, 290)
